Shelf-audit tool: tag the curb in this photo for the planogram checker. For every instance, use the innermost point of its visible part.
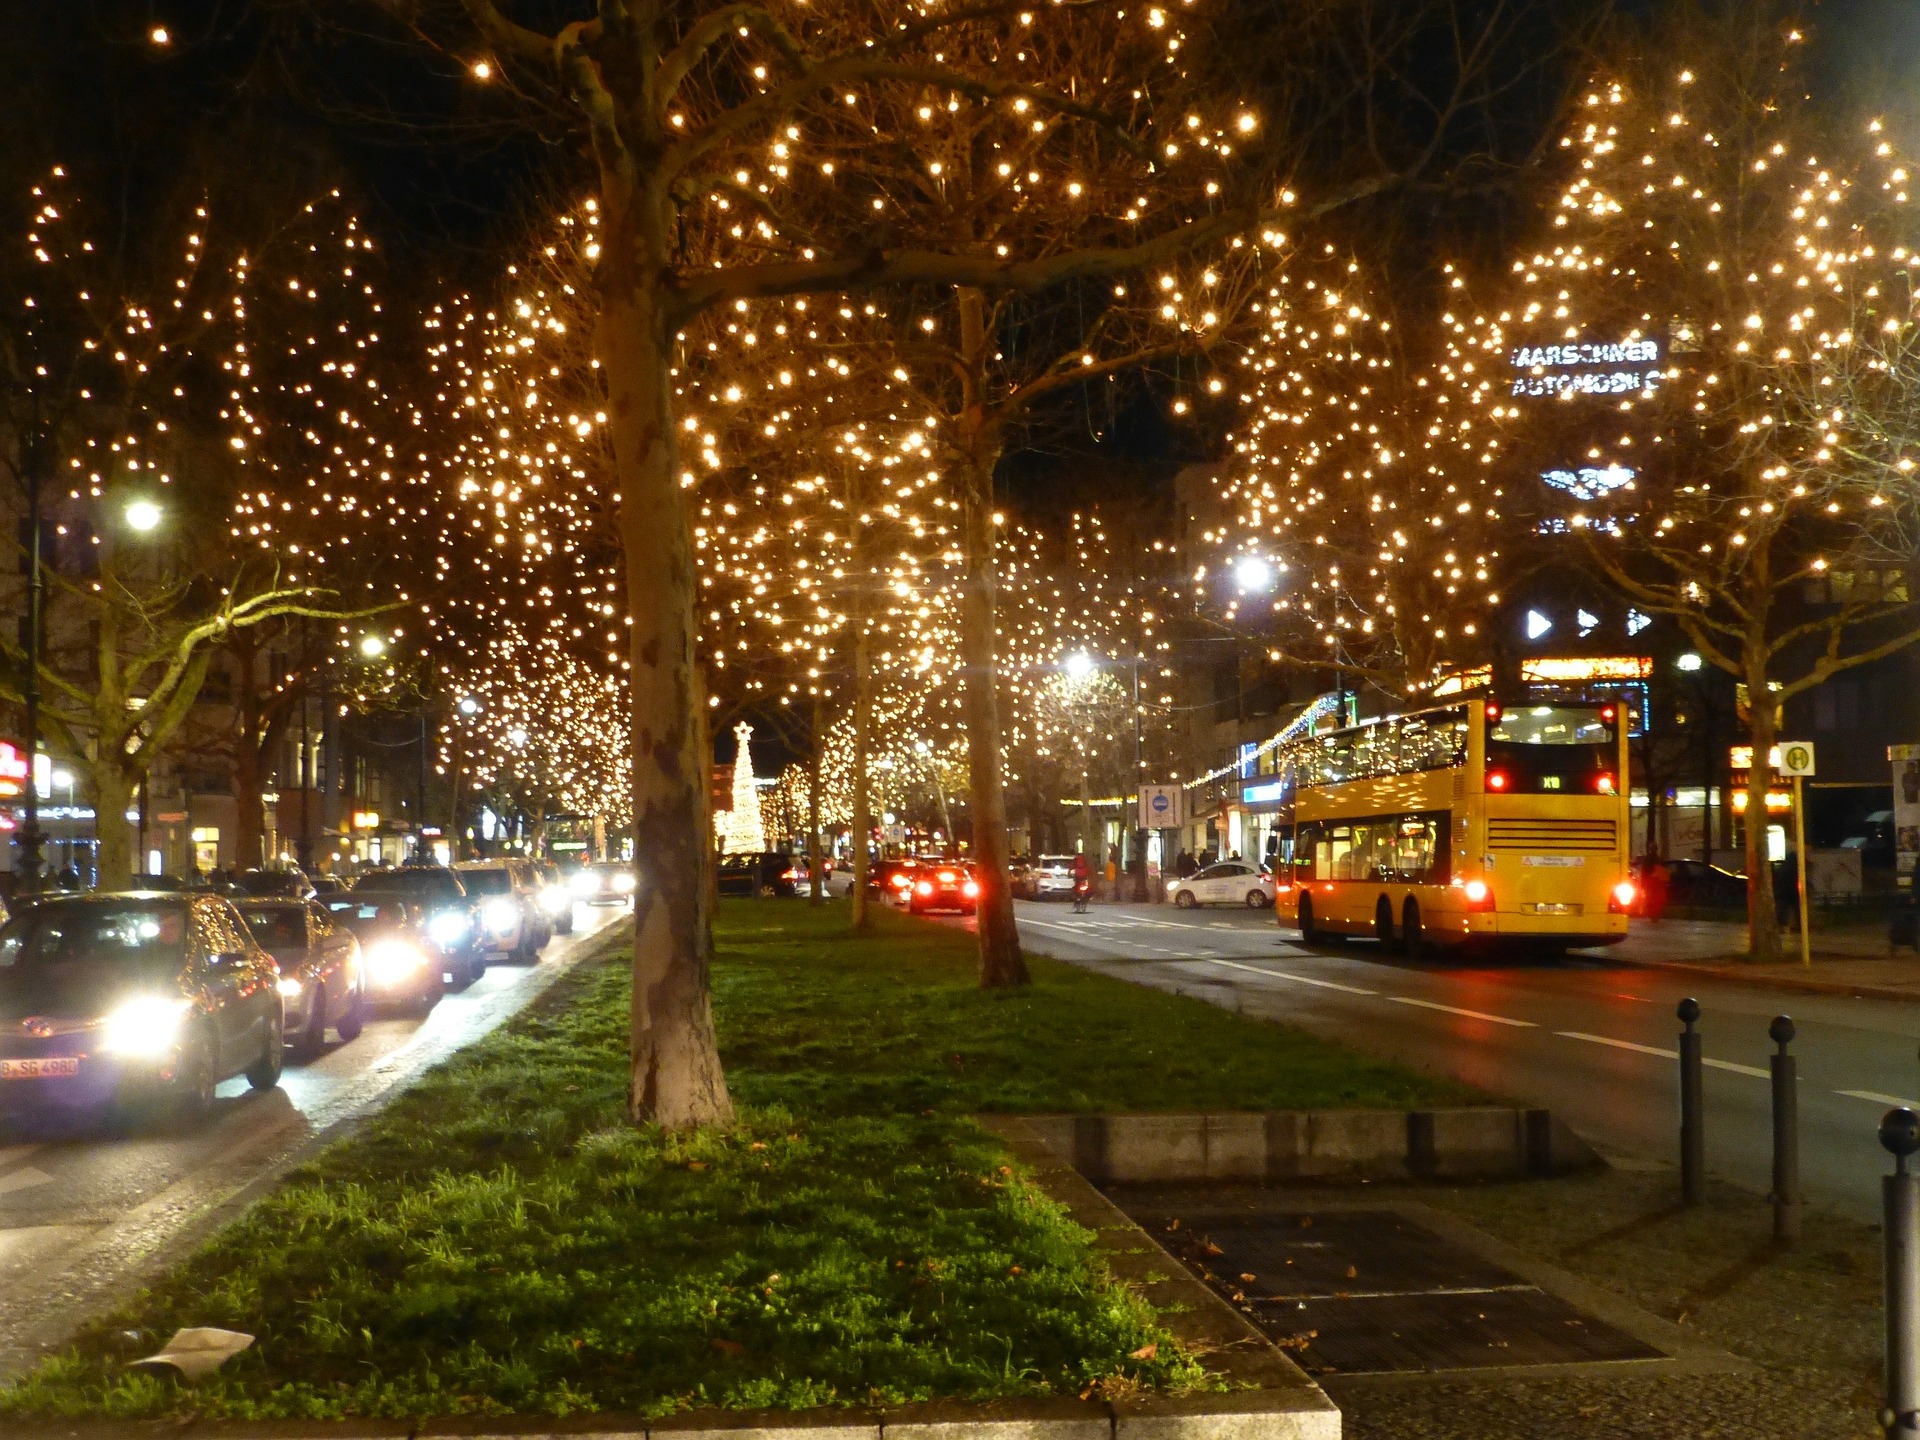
(1806, 985)
(1280, 1146)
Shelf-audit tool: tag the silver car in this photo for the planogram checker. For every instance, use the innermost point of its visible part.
(322, 980)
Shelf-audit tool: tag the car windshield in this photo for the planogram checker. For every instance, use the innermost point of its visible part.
(368, 914)
(68, 958)
(486, 882)
(431, 884)
(276, 927)
(1056, 862)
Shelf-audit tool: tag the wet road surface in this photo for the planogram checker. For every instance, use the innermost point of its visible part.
(1591, 1038)
(86, 1212)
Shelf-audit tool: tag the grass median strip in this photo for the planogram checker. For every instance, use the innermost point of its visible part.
(498, 1239)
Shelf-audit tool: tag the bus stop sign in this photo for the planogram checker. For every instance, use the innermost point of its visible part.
(1796, 757)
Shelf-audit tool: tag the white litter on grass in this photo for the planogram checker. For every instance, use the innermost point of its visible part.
(199, 1352)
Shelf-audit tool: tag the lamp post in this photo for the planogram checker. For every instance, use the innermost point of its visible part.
(1079, 666)
(27, 864)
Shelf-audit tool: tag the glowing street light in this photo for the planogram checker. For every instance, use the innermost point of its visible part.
(373, 646)
(469, 705)
(143, 515)
(1688, 662)
(1079, 665)
(1251, 573)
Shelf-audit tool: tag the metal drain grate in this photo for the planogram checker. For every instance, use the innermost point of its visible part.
(1357, 1292)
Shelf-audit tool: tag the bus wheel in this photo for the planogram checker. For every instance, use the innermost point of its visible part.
(1304, 919)
(1412, 940)
(1383, 924)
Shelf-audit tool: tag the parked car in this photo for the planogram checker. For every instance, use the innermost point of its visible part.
(605, 882)
(511, 920)
(321, 983)
(1692, 883)
(453, 915)
(136, 999)
(325, 885)
(403, 967)
(556, 898)
(941, 886)
(1230, 882)
(289, 883)
(770, 872)
(1053, 878)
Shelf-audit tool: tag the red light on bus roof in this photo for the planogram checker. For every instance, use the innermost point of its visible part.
(1493, 710)
(1606, 713)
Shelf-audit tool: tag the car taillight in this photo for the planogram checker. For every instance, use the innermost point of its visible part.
(1479, 895)
(971, 889)
(1603, 783)
(1496, 779)
(925, 887)
(1620, 899)
(790, 875)
(900, 882)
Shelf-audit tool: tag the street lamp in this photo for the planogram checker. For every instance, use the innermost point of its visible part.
(1079, 666)
(373, 646)
(1251, 573)
(1689, 662)
(143, 515)
(469, 706)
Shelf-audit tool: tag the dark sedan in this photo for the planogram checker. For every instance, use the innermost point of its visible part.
(320, 971)
(939, 886)
(135, 1000)
(768, 873)
(453, 922)
(403, 968)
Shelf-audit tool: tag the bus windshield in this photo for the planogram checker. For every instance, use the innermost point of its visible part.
(1544, 749)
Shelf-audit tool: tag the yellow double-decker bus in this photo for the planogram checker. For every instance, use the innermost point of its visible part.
(1472, 823)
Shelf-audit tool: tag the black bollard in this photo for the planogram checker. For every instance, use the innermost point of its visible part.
(1786, 1134)
(1693, 1136)
(1900, 1197)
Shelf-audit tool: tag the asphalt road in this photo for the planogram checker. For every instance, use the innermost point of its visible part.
(1592, 1039)
(85, 1214)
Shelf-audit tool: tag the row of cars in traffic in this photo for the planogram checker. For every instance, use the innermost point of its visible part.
(144, 1001)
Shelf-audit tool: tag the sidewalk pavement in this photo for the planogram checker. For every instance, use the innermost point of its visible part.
(1847, 960)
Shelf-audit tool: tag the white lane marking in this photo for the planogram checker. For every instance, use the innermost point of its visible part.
(23, 1180)
(1877, 1098)
(11, 1153)
(1732, 1065)
(1617, 1044)
(1297, 979)
(1456, 1010)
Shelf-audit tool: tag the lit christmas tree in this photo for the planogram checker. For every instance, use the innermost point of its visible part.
(743, 833)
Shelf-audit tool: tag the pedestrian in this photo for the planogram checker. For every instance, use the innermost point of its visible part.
(1786, 891)
(1186, 865)
(1655, 884)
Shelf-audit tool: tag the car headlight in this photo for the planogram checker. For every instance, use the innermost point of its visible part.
(500, 915)
(623, 883)
(585, 883)
(556, 899)
(394, 962)
(290, 987)
(447, 928)
(145, 1025)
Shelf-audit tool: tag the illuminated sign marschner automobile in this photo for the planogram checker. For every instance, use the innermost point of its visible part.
(1587, 368)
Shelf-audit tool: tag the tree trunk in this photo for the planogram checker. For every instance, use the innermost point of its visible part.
(112, 797)
(1763, 929)
(1000, 960)
(816, 882)
(862, 741)
(249, 788)
(676, 1077)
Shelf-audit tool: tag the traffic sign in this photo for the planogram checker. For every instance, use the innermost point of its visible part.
(1160, 807)
(1796, 757)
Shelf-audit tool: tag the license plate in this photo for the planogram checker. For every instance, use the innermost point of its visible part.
(38, 1069)
(1553, 907)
